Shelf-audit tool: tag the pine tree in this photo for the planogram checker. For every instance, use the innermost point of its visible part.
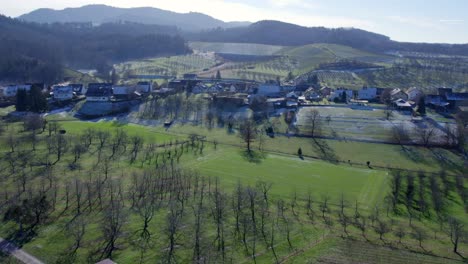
(218, 75)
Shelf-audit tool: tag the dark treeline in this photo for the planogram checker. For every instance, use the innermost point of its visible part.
(35, 52)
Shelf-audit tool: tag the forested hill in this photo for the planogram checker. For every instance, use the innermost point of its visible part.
(280, 33)
(99, 14)
(38, 52)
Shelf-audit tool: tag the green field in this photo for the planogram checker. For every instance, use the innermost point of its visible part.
(236, 48)
(312, 238)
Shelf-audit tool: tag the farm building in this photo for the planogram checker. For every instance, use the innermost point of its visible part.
(62, 93)
(122, 92)
(11, 90)
(99, 92)
(396, 94)
(78, 89)
(402, 105)
(414, 94)
(337, 94)
(163, 92)
(368, 93)
(234, 101)
(199, 88)
(270, 90)
(190, 76)
(450, 99)
(144, 87)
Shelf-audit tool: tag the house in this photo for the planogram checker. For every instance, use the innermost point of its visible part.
(62, 93)
(288, 88)
(163, 92)
(457, 99)
(402, 105)
(11, 90)
(144, 87)
(367, 93)
(396, 94)
(190, 76)
(292, 95)
(338, 94)
(437, 102)
(454, 100)
(326, 91)
(123, 92)
(234, 101)
(199, 88)
(99, 92)
(414, 94)
(78, 89)
(269, 90)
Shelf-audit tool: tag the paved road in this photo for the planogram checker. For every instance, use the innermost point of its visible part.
(10, 249)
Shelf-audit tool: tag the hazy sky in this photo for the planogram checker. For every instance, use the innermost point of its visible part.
(403, 20)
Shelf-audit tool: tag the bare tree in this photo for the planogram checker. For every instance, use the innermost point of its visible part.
(426, 135)
(400, 135)
(137, 143)
(173, 223)
(76, 229)
(248, 132)
(456, 232)
(400, 232)
(419, 234)
(314, 122)
(114, 216)
(382, 228)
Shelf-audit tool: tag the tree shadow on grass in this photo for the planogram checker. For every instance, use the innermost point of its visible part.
(413, 155)
(256, 157)
(324, 150)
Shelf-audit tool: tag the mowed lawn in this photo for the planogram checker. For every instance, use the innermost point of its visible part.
(289, 174)
(148, 133)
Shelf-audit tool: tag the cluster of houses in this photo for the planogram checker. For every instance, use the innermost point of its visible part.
(242, 92)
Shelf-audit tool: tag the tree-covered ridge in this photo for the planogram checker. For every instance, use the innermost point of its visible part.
(34, 52)
(285, 34)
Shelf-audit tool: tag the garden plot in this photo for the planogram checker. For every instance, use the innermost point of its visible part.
(346, 123)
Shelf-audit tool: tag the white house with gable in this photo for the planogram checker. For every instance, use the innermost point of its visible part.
(62, 93)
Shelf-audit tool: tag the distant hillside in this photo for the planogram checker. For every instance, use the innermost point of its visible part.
(146, 15)
(35, 52)
(285, 34)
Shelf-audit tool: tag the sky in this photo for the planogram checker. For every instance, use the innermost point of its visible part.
(434, 21)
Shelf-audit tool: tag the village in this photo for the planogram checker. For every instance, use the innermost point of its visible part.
(287, 95)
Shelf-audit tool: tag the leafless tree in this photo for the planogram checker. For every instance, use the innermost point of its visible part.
(137, 143)
(76, 229)
(248, 132)
(172, 229)
(400, 135)
(310, 207)
(198, 209)
(456, 232)
(88, 137)
(12, 140)
(419, 234)
(114, 216)
(219, 213)
(252, 198)
(426, 135)
(382, 228)
(400, 232)
(314, 122)
(324, 206)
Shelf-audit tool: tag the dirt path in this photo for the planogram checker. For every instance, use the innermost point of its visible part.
(9, 248)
